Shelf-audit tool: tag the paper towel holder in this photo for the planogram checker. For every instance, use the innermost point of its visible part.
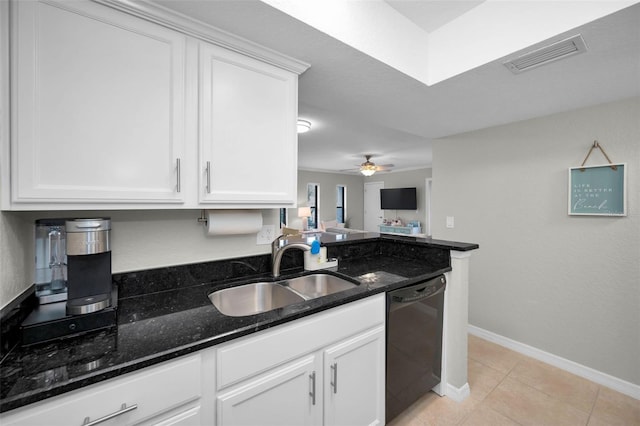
(203, 218)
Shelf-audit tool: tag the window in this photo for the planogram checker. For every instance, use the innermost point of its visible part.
(341, 203)
(313, 201)
(283, 218)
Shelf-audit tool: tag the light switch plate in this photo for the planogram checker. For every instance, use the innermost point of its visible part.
(449, 221)
(266, 234)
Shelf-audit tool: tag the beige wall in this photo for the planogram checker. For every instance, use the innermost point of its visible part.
(328, 183)
(156, 238)
(355, 194)
(408, 179)
(566, 285)
(16, 256)
(140, 240)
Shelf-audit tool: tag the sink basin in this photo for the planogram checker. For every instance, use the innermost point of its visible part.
(250, 299)
(318, 285)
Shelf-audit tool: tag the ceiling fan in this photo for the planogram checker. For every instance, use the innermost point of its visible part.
(368, 168)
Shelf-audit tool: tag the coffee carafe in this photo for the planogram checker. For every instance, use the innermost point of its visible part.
(51, 261)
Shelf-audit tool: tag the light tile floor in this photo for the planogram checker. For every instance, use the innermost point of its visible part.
(508, 388)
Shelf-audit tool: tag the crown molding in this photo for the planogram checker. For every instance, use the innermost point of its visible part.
(149, 11)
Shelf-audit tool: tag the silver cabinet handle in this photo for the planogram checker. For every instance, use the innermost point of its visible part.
(334, 382)
(312, 393)
(123, 409)
(208, 169)
(178, 175)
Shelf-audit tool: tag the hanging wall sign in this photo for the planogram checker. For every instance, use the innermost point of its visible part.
(598, 190)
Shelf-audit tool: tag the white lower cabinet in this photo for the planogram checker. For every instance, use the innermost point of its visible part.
(354, 384)
(287, 395)
(172, 393)
(324, 370)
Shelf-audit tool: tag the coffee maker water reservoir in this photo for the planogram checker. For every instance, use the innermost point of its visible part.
(51, 261)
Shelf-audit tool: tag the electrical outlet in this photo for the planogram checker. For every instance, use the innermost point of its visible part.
(449, 221)
(266, 234)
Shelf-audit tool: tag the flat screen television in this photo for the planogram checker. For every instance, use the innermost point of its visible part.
(398, 199)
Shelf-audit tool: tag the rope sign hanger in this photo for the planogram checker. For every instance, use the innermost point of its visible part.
(597, 145)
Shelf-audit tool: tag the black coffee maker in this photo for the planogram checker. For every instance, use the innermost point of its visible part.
(88, 299)
(88, 265)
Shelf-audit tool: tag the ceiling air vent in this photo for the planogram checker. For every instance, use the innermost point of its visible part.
(553, 52)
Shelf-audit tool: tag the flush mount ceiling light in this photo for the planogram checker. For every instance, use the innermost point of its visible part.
(303, 126)
(553, 52)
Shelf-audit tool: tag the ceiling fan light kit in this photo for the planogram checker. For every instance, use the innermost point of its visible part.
(368, 170)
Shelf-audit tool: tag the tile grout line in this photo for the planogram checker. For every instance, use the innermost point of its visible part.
(595, 401)
(557, 398)
(496, 387)
(483, 400)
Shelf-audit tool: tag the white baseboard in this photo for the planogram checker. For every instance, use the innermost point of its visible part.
(458, 394)
(588, 373)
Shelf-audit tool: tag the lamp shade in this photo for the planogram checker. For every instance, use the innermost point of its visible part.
(304, 211)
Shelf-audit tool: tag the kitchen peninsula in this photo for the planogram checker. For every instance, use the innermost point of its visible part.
(165, 319)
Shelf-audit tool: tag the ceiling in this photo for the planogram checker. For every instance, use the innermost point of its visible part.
(433, 14)
(359, 105)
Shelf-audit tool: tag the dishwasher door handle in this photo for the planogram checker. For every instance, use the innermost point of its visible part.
(416, 297)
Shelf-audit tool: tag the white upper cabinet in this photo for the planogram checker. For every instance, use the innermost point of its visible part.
(98, 106)
(140, 109)
(248, 141)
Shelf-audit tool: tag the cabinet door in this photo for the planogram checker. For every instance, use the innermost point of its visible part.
(288, 395)
(354, 383)
(98, 106)
(189, 417)
(169, 393)
(248, 140)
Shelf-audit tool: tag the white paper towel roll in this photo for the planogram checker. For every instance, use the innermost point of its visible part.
(233, 222)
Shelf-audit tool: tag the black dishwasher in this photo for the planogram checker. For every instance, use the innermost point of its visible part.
(414, 343)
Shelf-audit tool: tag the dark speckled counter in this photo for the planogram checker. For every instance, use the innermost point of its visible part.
(165, 313)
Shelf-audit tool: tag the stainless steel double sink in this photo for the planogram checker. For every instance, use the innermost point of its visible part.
(254, 298)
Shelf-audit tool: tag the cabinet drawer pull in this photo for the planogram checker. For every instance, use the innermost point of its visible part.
(123, 409)
(208, 170)
(334, 382)
(178, 175)
(312, 394)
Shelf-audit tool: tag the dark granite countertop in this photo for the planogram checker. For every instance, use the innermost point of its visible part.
(163, 314)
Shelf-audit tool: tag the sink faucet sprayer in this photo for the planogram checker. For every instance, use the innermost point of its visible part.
(277, 252)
